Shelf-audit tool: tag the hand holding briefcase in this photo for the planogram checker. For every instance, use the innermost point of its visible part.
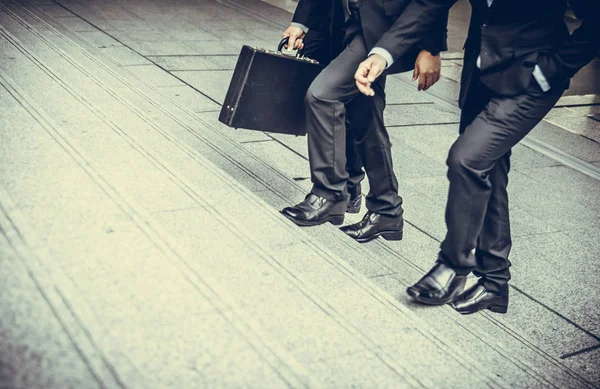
(267, 91)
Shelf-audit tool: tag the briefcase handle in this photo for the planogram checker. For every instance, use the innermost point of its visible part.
(284, 42)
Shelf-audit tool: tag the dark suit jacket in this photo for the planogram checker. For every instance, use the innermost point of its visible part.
(377, 16)
(512, 36)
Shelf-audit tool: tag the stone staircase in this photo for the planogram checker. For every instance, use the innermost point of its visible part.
(153, 233)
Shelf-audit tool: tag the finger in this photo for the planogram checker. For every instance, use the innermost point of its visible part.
(371, 91)
(291, 43)
(415, 73)
(361, 74)
(421, 82)
(364, 88)
(361, 87)
(363, 84)
(298, 43)
(366, 65)
(427, 83)
(430, 81)
(374, 72)
(364, 80)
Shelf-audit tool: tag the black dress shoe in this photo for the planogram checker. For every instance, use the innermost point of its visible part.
(477, 297)
(437, 287)
(315, 210)
(355, 200)
(373, 225)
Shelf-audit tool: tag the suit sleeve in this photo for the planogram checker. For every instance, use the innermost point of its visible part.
(417, 21)
(436, 41)
(313, 14)
(584, 44)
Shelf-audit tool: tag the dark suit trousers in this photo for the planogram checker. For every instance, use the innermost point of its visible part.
(477, 212)
(329, 97)
(317, 46)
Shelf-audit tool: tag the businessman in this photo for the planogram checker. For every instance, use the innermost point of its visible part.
(329, 101)
(324, 45)
(519, 58)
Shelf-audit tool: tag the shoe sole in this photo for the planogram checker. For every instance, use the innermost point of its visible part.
(414, 293)
(498, 309)
(493, 308)
(336, 220)
(387, 235)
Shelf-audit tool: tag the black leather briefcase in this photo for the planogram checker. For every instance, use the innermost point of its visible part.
(267, 91)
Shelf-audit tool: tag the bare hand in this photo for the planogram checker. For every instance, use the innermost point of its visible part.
(427, 69)
(367, 73)
(295, 36)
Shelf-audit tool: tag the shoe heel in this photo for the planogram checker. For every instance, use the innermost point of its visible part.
(337, 220)
(392, 235)
(499, 308)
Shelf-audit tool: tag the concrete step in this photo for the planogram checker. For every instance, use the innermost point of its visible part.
(188, 278)
(503, 350)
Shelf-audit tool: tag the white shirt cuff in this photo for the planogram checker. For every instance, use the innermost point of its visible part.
(300, 26)
(384, 53)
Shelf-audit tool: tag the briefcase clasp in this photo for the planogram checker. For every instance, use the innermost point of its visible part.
(299, 55)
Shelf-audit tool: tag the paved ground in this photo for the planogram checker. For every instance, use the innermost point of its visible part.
(142, 246)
